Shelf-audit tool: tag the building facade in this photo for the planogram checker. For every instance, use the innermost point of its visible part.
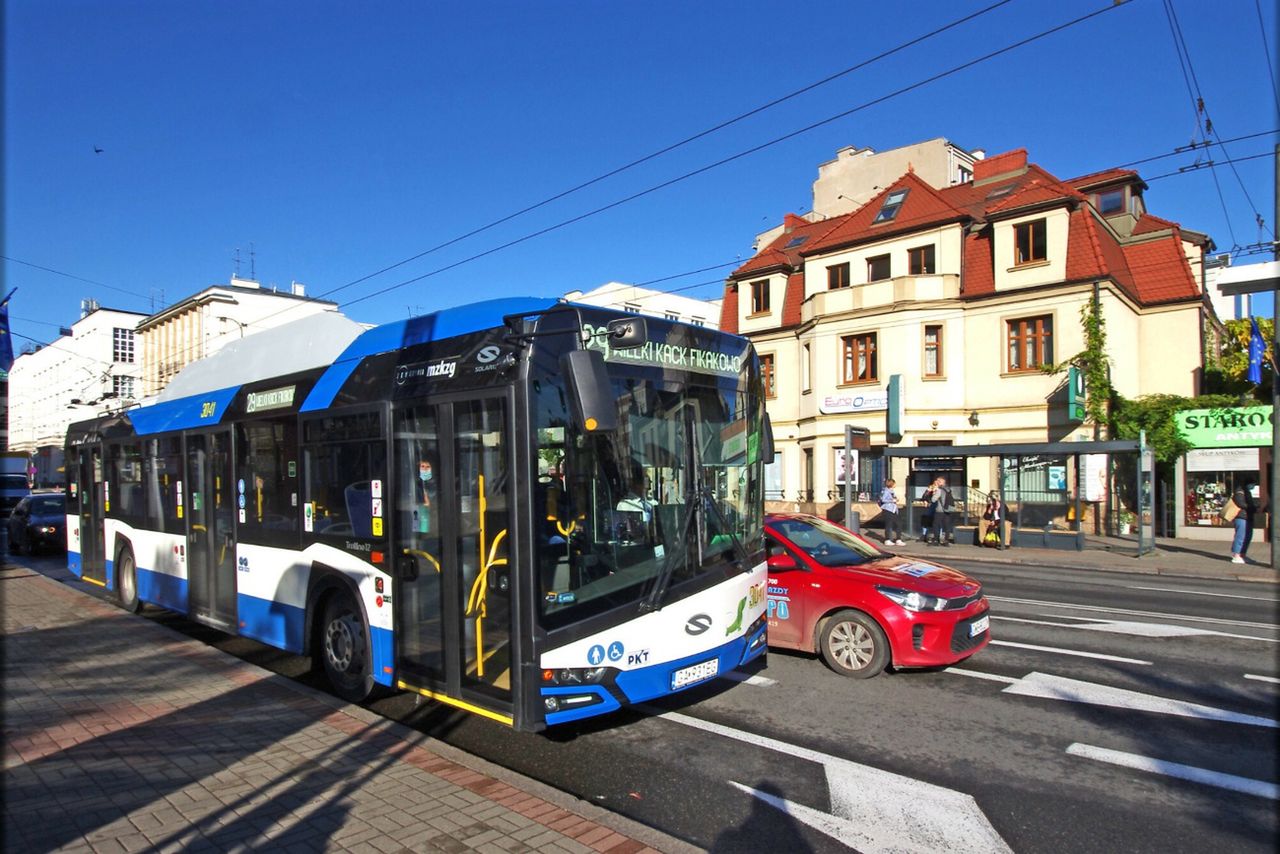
(95, 367)
(638, 300)
(203, 323)
(960, 296)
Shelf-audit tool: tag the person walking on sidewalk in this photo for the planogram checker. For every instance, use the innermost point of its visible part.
(892, 521)
(1245, 508)
(940, 502)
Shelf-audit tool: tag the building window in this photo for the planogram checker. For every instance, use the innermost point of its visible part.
(838, 276)
(892, 204)
(1111, 202)
(965, 173)
(631, 308)
(760, 297)
(933, 350)
(1030, 343)
(878, 268)
(671, 315)
(859, 362)
(920, 261)
(768, 376)
(122, 345)
(1030, 242)
(697, 321)
(123, 387)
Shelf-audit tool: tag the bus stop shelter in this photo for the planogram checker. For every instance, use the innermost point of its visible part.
(1038, 529)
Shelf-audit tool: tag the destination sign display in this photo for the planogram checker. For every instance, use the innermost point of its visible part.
(275, 398)
(661, 354)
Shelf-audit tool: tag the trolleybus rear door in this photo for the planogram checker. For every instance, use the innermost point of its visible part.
(92, 491)
(211, 545)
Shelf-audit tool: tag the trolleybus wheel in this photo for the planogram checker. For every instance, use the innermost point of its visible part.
(854, 644)
(348, 663)
(127, 582)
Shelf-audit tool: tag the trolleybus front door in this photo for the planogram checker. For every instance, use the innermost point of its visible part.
(454, 536)
(211, 546)
(92, 490)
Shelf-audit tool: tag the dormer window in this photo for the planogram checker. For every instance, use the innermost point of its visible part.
(760, 297)
(796, 241)
(1030, 242)
(892, 204)
(1111, 202)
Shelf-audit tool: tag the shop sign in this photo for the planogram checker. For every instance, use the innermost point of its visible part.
(1223, 459)
(872, 400)
(1226, 427)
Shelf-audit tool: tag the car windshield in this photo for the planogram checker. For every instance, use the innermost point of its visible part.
(13, 481)
(826, 543)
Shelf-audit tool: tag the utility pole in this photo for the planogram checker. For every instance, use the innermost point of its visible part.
(1274, 487)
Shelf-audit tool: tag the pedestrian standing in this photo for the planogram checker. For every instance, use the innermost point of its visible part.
(940, 502)
(1245, 508)
(889, 511)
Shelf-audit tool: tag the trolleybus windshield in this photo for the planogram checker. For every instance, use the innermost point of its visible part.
(667, 501)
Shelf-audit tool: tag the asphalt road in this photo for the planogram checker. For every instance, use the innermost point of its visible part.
(1111, 712)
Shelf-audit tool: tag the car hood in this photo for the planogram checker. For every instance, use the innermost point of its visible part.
(47, 518)
(913, 574)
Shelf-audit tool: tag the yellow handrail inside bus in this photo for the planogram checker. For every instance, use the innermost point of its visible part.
(424, 555)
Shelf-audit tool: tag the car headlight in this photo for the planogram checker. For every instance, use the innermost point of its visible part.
(912, 600)
(47, 529)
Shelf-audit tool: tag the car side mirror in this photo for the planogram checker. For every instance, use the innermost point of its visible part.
(782, 563)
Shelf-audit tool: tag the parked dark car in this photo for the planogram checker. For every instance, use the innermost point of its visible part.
(38, 522)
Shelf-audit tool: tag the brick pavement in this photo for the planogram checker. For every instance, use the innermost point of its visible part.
(121, 735)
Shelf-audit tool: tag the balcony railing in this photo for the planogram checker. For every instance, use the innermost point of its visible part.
(881, 294)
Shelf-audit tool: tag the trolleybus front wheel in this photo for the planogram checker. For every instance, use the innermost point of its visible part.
(345, 650)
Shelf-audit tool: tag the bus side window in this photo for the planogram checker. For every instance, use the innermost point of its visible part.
(267, 480)
(345, 470)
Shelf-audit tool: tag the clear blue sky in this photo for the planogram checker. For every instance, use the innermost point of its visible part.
(340, 138)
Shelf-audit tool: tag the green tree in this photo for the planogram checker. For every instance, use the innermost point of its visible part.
(1155, 414)
(1229, 375)
(1094, 364)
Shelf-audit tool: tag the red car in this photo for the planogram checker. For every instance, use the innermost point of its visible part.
(834, 593)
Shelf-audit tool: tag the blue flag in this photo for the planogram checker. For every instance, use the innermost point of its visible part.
(6, 343)
(1256, 348)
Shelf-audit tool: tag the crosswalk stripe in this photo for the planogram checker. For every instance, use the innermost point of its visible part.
(1248, 786)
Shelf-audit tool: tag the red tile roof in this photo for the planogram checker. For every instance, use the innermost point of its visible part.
(793, 300)
(1037, 187)
(923, 207)
(729, 310)
(998, 164)
(1106, 176)
(1163, 273)
(979, 270)
(780, 254)
(1147, 223)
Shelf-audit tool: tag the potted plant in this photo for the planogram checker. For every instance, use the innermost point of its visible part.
(1125, 520)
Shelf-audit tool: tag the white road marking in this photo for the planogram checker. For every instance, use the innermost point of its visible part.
(1075, 652)
(1246, 785)
(1129, 611)
(1203, 593)
(1077, 691)
(872, 810)
(761, 681)
(1151, 630)
(1273, 680)
(994, 677)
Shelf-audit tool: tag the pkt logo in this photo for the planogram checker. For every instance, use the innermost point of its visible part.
(697, 624)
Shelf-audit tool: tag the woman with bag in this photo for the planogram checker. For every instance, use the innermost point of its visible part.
(995, 514)
(1239, 510)
(892, 522)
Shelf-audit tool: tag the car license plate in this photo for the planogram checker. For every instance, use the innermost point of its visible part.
(979, 626)
(694, 673)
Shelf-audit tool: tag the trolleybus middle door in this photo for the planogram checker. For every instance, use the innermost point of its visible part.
(211, 546)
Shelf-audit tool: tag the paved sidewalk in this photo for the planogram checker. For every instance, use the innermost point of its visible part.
(122, 735)
(1172, 557)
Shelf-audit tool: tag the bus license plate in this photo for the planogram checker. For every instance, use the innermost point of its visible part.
(979, 626)
(694, 673)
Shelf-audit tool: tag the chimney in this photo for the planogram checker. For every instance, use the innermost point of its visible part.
(298, 289)
(1008, 164)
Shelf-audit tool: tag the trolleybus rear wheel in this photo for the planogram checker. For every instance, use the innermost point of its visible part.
(345, 649)
(127, 582)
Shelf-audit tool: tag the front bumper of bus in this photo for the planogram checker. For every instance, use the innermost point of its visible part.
(608, 689)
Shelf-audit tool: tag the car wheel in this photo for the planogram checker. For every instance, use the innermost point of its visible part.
(127, 582)
(854, 645)
(344, 649)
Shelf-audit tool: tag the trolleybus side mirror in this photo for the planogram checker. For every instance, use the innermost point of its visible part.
(593, 401)
(627, 332)
(766, 440)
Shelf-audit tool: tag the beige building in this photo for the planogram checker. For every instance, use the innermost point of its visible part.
(203, 323)
(961, 293)
(638, 300)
